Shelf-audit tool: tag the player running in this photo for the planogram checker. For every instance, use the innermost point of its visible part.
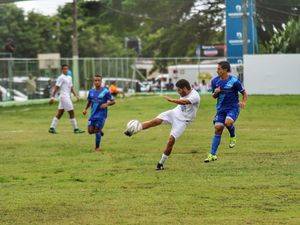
(179, 117)
(99, 99)
(65, 87)
(226, 90)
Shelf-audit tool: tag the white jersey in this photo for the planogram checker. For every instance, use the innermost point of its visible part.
(188, 112)
(64, 83)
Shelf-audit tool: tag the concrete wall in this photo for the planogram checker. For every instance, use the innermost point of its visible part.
(272, 74)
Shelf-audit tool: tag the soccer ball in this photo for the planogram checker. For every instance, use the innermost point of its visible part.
(132, 127)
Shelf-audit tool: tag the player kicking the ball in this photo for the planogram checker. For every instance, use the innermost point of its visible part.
(65, 87)
(99, 99)
(179, 117)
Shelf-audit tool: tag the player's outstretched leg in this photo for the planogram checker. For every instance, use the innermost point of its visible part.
(215, 143)
(165, 155)
(55, 120)
(137, 126)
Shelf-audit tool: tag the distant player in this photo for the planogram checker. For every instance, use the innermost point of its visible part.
(114, 90)
(65, 87)
(226, 90)
(99, 99)
(179, 117)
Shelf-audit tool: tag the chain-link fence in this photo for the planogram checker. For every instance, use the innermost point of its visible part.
(22, 79)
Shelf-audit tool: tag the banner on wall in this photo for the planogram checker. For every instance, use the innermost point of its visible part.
(234, 30)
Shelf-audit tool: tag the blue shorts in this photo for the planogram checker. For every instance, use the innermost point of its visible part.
(97, 123)
(222, 114)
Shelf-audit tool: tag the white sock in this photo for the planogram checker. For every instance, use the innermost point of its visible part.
(54, 122)
(140, 127)
(163, 158)
(74, 123)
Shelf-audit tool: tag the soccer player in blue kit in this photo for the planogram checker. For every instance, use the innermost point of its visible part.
(225, 88)
(99, 98)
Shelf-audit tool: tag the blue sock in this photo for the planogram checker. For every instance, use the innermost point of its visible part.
(231, 130)
(98, 139)
(215, 143)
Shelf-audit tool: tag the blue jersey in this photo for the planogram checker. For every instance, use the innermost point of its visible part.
(97, 98)
(229, 96)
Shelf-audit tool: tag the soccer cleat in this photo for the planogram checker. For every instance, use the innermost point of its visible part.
(128, 133)
(78, 131)
(160, 166)
(210, 158)
(232, 142)
(52, 130)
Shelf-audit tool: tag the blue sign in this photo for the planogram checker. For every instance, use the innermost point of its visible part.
(234, 30)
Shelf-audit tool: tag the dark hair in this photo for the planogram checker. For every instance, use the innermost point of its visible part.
(98, 75)
(225, 65)
(183, 83)
(63, 65)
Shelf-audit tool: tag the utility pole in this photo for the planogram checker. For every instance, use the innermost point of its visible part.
(245, 27)
(75, 46)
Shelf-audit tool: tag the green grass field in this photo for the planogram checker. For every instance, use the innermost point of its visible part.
(58, 179)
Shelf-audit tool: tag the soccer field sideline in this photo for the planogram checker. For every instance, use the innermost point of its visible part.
(57, 179)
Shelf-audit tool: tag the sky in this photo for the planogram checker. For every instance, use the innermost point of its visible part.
(45, 7)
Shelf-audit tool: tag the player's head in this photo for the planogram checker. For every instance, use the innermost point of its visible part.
(97, 80)
(64, 69)
(223, 68)
(183, 87)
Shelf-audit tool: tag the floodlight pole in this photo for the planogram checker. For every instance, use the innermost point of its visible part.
(75, 47)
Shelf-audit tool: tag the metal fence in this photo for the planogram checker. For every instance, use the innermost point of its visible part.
(15, 73)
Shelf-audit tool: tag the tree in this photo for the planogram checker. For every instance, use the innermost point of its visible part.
(166, 28)
(286, 40)
(272, 14)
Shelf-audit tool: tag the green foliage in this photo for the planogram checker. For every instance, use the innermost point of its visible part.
(286, 40)
(166, 28)
(274, 13)
(57, 179)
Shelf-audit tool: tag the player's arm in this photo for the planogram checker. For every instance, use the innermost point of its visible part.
(108, 103)
(215, 90)
(178, 101)
(55, 90)
(88, 105)
(239, 87)
(244, 99)
(74, 93)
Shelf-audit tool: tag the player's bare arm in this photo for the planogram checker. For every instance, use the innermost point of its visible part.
(216, 92)
(53, 95)
(242, 103)
(109, 103)
(88, 105)
(178, 101)
(74, 93)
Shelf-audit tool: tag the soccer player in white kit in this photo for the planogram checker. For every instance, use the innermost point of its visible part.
(65, 87)
(179, 117)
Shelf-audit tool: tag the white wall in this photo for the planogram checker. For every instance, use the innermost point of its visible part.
(272, 74)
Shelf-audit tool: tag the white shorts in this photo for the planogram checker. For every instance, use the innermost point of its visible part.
(178, 126)
(65, 103)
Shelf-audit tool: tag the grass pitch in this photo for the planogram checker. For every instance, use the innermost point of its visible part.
(58, 179)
